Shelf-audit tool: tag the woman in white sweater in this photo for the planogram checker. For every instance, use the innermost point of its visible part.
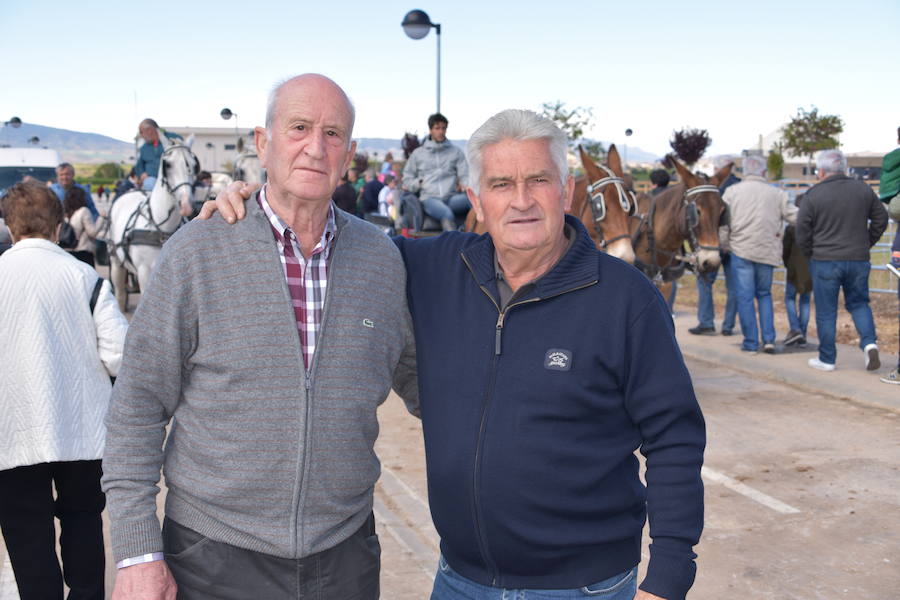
(56, 359)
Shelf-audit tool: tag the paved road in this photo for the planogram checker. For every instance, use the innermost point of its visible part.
(802, 472)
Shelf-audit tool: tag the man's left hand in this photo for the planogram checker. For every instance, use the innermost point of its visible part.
(229, 202)
(642, 595)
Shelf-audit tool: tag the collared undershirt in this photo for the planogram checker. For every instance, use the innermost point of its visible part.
(506, 293)
(307, 281)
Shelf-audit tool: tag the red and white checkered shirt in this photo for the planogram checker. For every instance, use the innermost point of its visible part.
(307, 280)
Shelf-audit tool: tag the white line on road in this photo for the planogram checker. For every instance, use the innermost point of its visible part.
(749, 492)
(424, 556)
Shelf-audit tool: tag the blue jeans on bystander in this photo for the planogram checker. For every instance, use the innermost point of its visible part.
(450, 585)
(829, 277)
(706, 310)
(797, 312)
(753, 280)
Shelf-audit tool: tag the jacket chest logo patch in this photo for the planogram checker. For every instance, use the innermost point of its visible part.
(558, 359)
(369, 323)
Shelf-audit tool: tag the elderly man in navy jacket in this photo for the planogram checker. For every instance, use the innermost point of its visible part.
(544, 365)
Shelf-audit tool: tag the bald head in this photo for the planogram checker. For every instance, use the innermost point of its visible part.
(312, 83)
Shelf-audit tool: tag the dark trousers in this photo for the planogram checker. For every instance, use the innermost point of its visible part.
(27, 510)
(205, 569)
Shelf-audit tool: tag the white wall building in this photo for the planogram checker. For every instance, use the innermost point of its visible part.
(215, 146)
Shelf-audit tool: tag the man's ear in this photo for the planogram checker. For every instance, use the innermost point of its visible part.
(569, 193)
(261, 141)
(475, 201)
(351, 152)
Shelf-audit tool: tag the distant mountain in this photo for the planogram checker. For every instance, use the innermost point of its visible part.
(73, 146)
(81, 147)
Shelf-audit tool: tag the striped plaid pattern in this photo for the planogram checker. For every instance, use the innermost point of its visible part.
(307, 280)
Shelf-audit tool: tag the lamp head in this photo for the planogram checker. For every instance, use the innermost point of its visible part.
(416, 24)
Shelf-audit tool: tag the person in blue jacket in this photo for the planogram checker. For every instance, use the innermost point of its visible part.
(543, 365)
(65, 180)
(150, 153)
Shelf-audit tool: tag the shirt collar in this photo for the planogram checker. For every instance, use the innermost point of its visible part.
(280, 228)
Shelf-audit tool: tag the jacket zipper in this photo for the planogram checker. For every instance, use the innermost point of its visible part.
(481, 536)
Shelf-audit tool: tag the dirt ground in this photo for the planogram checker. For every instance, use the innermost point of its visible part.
(884, 310)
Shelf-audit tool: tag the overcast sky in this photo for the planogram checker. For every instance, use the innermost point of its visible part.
(737, 69)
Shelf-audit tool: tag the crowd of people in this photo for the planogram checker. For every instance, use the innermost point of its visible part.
(270, 404)
(824, 239)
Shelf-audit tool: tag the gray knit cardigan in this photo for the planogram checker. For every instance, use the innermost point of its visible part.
(260, 454)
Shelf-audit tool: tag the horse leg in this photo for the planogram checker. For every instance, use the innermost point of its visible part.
(117, 276)
(667, 289)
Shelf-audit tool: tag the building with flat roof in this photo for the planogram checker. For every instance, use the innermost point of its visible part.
(215, 147)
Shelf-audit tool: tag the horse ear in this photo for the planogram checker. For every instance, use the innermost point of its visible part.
(589, 167)
(689, 179)
(722, 174)
(613, 161)
(189, 141)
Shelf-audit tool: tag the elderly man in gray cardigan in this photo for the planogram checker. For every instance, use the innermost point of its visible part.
(268, 345)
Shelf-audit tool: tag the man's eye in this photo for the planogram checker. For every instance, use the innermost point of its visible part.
(300, 127)
(499, 185)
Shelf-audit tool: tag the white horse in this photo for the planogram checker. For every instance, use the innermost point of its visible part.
(247, 168)
(139, 224)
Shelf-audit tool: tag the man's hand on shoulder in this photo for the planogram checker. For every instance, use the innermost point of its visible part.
(229, 202)
(146, 581)
(642, 595)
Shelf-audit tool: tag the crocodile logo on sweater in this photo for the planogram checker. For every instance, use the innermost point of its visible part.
(369, 323)
(558, 359)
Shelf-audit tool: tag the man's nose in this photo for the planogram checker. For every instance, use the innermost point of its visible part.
(522, 199)
(315, 144)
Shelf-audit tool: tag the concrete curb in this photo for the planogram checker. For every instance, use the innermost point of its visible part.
(849, 381)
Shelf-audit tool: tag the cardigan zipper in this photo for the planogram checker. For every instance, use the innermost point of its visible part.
(481, 536)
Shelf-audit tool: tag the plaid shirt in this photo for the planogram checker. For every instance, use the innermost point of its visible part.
(307, 280)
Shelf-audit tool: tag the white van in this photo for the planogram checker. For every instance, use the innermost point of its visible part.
(17, 163)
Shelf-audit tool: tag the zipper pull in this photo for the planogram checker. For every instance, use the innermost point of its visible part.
(498, 334)
(306, 377)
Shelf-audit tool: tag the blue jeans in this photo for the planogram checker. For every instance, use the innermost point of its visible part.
(148, 184)
(455, 205)
(754, 280)
(450, 585)
(798, 314)
(706, 310)
(830, 276)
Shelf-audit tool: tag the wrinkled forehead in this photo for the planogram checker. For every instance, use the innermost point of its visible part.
(313, 102)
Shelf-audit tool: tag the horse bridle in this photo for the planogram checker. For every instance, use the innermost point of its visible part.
(692, 215)
(598, 202)
(165, 179)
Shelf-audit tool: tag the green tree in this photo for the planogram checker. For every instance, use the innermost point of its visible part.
(809, 132)
(573, 122)
(109, 170)
(775, 162)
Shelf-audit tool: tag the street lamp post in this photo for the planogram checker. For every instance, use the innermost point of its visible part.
(416, 25)
(15, 123)
(226, 114)
(628, 133)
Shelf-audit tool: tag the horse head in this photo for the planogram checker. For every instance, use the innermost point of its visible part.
(703, 210)
(178, 170)
(610, 203)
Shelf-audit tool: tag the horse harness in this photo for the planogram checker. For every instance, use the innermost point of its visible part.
(598, 203)
(154, 236)
(677, 262)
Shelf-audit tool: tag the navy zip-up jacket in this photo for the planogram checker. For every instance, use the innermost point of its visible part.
(532, 416)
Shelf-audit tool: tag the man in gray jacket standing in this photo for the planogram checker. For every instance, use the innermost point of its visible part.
(758, 212)
(839, 221)
(437, 171)
(268, 345)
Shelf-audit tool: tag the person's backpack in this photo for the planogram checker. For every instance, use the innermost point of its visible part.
(67, 237)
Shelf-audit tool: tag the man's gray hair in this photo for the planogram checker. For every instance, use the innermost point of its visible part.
(754, 164)
(515, 124)
(832, 162)
(273, 98)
